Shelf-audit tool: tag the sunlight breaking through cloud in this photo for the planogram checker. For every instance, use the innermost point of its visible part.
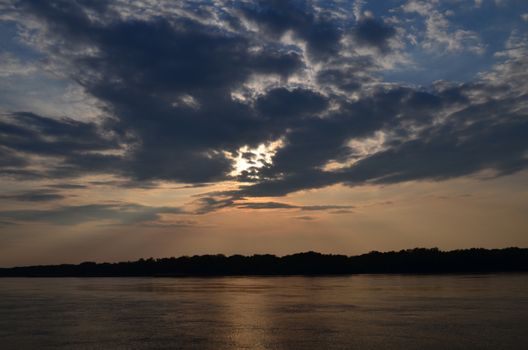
(248, 160)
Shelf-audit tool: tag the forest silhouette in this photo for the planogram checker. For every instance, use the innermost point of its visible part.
(418, 260)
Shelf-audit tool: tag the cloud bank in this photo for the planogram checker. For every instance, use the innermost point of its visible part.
(185, 89)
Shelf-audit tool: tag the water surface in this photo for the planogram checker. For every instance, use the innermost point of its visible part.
(352, 312)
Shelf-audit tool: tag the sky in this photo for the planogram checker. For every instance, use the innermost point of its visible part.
(159, 128)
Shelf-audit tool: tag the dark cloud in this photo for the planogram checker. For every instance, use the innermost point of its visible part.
(9, 159)
(348, 78)
(311, 143)
(325, 207)
(279, 205)
(276, 17)
(207, 204)
(31, 133)
(126, 183)
(34, 196)
(296, 103)
(144, 71)
(198, 185)
(215, 201)
(72, 143)
(122, 213)
(67, 186)
(487, 136)
(374, 33)
(476, 137)
(172, 224)
(267, 205)
(166, 87)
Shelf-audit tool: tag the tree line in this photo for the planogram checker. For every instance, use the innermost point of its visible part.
(418, 260)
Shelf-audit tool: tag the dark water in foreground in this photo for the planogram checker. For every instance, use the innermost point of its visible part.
(355, 312)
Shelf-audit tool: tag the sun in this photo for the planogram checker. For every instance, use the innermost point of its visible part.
(248, 158)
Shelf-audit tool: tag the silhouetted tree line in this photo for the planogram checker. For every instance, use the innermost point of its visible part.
(418, 260)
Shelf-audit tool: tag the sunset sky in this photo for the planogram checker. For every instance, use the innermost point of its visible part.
(133, 129)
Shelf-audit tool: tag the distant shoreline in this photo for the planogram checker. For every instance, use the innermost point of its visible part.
(410, 261)
(415, 274)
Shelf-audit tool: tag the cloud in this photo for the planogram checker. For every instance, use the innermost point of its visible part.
(34, 196)
(67, 186)
(277, 17)
(470, 137)
(296, 103)
(211, 202)
(9, 159)
(305, 218)
(75, 147)
(342, 211)
(349, 78)
(172, 224)
(208, 204)
(358, 14)
(279, 205)
(35, 134)
(187, 92)
(121, 213)
(142, 67)
(440, 36)
(374, 33)
(10, 65)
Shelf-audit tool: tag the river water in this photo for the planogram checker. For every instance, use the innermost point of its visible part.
(352, 312)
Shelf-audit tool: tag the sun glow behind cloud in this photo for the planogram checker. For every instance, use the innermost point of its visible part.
(252, 159)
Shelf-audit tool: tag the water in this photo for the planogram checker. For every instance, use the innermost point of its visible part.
(353, 312)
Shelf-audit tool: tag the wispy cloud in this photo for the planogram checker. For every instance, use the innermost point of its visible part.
(121, 213)
(42, 195)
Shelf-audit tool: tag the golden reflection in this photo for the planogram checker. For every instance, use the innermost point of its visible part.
(247, 312)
